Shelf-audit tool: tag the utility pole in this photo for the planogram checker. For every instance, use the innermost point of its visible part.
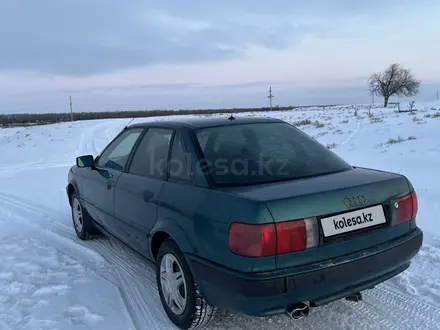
(437, 94)
(373, 97)
(270, 97)
(71, 109)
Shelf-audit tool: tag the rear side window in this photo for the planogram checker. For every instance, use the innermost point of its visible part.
(179, 162)
(264, 152)
(150, 158)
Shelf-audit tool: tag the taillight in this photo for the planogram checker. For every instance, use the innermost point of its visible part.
(407, 207)
(252, 240)
(273, 239)
(291, 236)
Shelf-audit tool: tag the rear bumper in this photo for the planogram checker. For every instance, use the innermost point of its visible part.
(269, 293)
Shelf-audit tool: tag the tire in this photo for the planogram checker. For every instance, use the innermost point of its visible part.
(194, 311)
(82, 221)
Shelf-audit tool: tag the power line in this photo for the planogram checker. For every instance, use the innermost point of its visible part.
(270, 97)
(71, 109)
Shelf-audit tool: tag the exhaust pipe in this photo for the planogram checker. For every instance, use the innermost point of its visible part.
(299, 310)
(354, 297)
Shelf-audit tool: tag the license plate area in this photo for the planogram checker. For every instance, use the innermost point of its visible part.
(353, 221)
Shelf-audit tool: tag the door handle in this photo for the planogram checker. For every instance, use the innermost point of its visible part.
(110, 184)
(147, 196)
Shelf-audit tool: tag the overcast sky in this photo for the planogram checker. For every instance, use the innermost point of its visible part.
(113, 55)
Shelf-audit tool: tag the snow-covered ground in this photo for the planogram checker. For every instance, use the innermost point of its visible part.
(51, 280)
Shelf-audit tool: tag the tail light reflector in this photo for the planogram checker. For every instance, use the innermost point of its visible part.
(407, 207)
(273, 239)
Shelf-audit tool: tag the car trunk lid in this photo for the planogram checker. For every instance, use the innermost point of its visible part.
(336, 200)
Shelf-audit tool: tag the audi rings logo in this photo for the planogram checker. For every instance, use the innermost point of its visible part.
(353, 201)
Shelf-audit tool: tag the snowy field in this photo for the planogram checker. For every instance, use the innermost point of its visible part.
(51, 280)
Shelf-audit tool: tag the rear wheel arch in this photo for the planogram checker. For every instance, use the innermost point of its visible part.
(169, 230)
(158, 238)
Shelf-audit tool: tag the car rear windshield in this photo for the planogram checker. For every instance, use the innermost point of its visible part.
(246, 154)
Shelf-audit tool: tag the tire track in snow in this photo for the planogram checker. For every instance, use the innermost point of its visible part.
(140, 293)
(25, 165)
(351, 136)
(46, 222)
(30, 167)
(87, 142)
(86, 145)
(29, 206)
(131, 275)
(413, 310)
(138, 283)
(36, 274)
(84, 142)
(375, 316)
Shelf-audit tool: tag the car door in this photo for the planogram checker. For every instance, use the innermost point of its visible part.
(180, 197)
(98, 190)
(138, 188)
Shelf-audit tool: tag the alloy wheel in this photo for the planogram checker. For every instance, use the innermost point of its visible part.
(173, 284)
(77, 215)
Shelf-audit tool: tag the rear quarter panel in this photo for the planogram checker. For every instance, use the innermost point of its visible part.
(199, 219)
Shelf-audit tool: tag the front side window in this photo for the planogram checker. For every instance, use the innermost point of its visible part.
(264, 152)
(151, 156)
(116, 155)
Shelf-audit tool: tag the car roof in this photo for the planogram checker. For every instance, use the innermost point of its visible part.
(204, 122)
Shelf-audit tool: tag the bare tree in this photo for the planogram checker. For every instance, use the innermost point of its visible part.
(395, 80)
(411, 106)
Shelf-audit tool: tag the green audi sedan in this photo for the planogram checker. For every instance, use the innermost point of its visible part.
(248, 214)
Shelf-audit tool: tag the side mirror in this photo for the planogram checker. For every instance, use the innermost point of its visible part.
(84, 161)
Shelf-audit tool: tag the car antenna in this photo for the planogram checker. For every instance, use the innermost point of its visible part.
(231, 117)
(126, 126)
